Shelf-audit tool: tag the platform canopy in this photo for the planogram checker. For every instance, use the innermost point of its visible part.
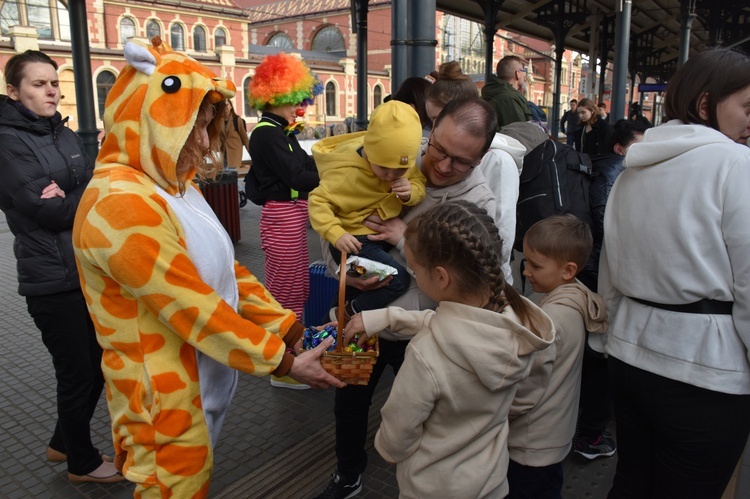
(716, 22)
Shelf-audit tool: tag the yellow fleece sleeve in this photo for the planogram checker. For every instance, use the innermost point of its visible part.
(322, 209)
(418, 189)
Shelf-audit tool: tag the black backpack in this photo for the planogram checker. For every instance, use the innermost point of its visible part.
(555, 179)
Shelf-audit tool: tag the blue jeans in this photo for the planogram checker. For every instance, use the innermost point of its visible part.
(378, 298)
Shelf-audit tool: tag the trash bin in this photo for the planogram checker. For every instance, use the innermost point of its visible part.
(223, 197)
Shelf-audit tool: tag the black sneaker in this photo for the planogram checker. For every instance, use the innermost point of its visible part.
(338, 489)
(602, 446)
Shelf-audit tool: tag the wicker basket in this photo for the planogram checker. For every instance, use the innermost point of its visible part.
(353, 368)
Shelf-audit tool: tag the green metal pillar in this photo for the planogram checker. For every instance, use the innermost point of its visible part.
(79, 33)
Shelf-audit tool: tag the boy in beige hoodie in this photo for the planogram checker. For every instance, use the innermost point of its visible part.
(544, 410)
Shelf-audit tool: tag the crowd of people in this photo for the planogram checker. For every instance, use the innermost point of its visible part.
(133, 283)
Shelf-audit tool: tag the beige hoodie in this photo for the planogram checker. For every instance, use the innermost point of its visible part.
(544, 412)
(445, 422)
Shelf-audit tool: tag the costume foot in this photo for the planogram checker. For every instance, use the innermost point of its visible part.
(105, 473)
(55, 456)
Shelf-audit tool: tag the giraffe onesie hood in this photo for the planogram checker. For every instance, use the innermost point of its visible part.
(146, 275)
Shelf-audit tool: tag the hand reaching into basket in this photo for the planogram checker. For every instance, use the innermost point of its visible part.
(307, 369)
(355, 326)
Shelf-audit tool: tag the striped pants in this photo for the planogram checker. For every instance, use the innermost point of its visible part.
(283, 237)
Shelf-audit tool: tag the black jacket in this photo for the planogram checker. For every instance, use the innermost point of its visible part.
(33, 152)
(596, 143)
(279, 164)
(571, 118)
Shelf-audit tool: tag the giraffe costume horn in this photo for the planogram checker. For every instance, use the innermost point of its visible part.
(152, 107)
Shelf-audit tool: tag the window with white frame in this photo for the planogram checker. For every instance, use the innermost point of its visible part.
(281, 40)
(127, 29)
(329, 39)
(177, 37)
(104, 82)
(220, 37)
(330, 99)
(199, 39)
(153, 29)
(49, 17)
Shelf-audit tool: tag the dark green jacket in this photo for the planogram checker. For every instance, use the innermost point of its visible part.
(509, 104)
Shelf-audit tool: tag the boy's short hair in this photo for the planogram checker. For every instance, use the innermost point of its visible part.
(563, 238)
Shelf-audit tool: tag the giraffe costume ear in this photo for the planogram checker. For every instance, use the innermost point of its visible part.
(140, 57)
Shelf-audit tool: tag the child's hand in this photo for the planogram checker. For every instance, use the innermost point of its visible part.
(401, 187)
(354, 326)
(348, 243)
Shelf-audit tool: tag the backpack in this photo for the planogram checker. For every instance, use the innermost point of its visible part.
(555, 179)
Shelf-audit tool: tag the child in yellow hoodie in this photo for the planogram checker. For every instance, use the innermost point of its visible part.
(366, 173)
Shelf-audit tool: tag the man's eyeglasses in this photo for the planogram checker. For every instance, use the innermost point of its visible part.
(460, 165)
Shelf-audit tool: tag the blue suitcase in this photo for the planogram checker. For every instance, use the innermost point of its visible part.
(323, 290)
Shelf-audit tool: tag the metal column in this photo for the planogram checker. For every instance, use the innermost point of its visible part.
(491, 8)
(687, 11)
(79, 41)
(622, 35)
(362, 73)
(421, 45)
(399, 20)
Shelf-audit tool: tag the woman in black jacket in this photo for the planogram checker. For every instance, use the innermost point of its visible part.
(593, 134)
(45, 171)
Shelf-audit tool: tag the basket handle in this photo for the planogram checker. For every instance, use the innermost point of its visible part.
(342, 302)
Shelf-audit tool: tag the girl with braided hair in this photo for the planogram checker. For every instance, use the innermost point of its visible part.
(445, 423)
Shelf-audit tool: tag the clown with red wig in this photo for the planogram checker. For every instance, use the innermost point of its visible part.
(281, 177)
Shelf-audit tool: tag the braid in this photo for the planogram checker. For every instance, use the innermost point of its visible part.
(464, 237)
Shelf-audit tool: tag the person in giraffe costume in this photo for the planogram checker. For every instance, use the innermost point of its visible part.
(175, 314)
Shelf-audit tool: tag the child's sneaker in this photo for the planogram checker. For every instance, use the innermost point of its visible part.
(288, 382)
(602, 446)
(338, 488)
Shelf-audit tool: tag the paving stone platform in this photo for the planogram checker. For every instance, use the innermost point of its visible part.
(276, 443)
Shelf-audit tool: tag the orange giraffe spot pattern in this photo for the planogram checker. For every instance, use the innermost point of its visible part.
(151, 308)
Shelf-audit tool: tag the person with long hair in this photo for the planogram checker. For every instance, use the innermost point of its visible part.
(445, 423)
(593, 134)
(176, 315)
(675, 271)
(45, 170)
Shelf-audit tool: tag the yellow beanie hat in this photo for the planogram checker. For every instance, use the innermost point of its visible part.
(393, 136)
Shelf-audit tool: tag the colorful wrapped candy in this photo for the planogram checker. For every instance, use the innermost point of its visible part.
(313, 337)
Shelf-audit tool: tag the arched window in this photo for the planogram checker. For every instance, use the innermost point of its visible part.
(104, 82)
(249, 111)
(329, 39)
(127, 29)
(177, 37)
(220, 37)
(49, 17)
(330, 99)
(280, 40)
(199, 39)
(153, 29)
(377, 96)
